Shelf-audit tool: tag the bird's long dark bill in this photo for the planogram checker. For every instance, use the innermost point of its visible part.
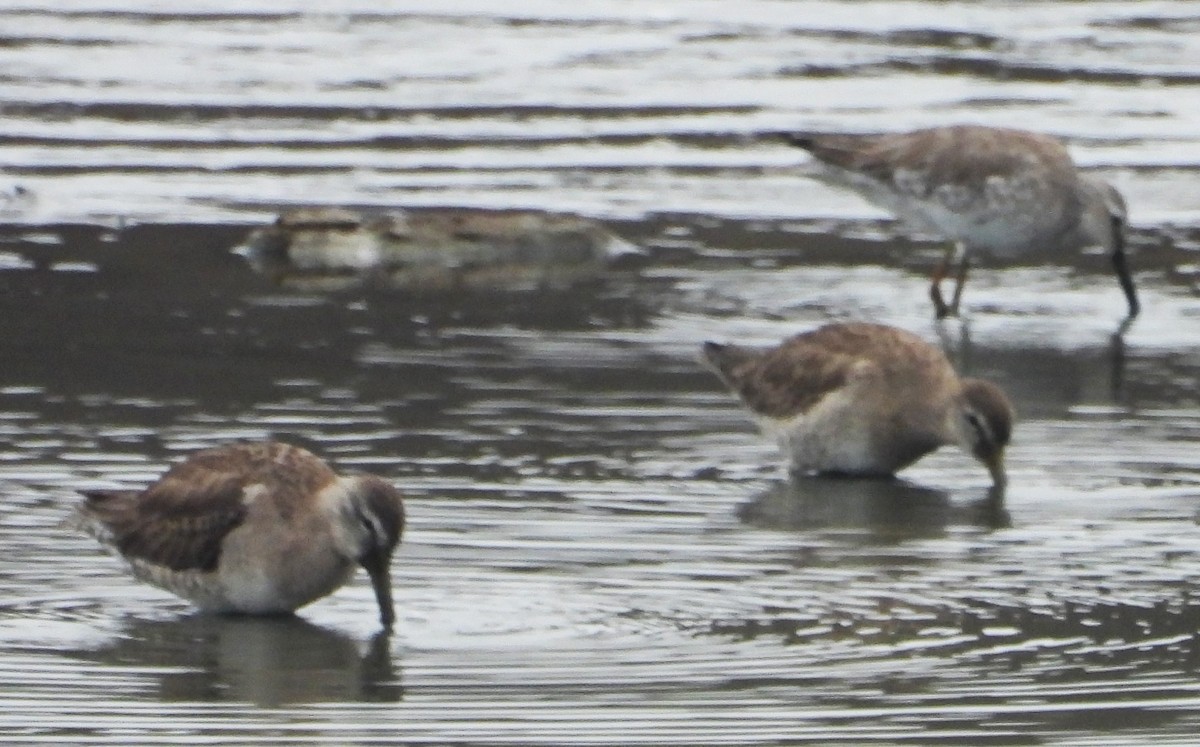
(377, 567)
(1121, 265)
(996, 469)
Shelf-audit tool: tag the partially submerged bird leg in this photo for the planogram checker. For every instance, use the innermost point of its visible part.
(964, 264)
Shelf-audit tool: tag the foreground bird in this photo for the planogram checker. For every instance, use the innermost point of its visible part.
(865, 399)
(255, 528)
(999, 191)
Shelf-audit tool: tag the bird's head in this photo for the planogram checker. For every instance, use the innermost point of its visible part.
(985, 422)
(374, 520)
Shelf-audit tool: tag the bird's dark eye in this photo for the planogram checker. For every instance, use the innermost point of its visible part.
(977, 426)
(373, 529)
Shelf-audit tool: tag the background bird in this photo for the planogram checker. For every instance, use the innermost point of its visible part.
(864, 399)
(1003, 192)
(256, 528)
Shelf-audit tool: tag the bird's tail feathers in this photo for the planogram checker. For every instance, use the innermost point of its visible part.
(724, 358)
(91, 516)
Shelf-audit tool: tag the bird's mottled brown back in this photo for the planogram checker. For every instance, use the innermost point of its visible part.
(180, 521)
(964, 155)
(794, 377)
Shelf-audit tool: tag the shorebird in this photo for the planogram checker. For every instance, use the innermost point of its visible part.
(998, 191)
(864, 399)
(252, 528)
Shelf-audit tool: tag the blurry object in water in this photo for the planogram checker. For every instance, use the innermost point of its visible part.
(432, 250)
(14, 198)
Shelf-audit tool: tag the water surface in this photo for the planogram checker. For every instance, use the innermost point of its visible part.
(601, 548)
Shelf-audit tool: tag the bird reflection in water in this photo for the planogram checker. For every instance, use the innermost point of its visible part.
(1116, 350)
(891, 509)
(955, 341)
(267, 661)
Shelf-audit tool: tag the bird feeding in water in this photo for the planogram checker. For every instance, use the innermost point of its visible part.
(1002, 192)
(252, 528)
(864, 399)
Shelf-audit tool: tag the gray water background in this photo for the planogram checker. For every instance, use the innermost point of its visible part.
(601, 549)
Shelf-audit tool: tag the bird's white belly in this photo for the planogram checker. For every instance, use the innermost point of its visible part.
(1007, 219)
(1005, 235)
(826, 444)
(254, 581)
(250, 590)
(257, 583)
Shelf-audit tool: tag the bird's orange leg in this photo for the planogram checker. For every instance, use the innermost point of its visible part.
(940, 309)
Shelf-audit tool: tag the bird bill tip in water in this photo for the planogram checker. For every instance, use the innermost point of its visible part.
(995, 466)
(381, 582)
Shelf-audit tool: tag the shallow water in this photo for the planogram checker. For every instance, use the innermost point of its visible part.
(601, 549)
